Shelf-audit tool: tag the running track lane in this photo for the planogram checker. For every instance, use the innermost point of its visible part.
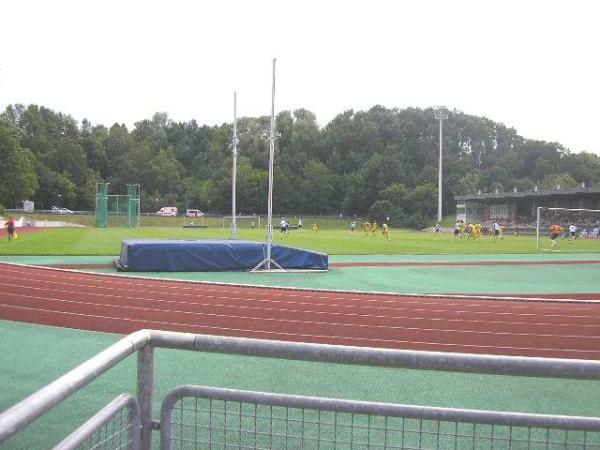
(123, 305)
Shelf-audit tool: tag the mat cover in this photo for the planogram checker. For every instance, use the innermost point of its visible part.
(211, 255)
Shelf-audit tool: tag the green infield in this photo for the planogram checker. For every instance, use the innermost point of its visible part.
(35, 355)
(97, 241)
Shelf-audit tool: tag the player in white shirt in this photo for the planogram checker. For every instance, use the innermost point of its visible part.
(572, 232)
(283, 227)
(352, 227)
(496, 229)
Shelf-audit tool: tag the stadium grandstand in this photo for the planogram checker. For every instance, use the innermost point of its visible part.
(519, 208)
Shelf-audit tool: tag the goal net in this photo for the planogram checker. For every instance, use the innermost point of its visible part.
(243, 222)
(580, 228)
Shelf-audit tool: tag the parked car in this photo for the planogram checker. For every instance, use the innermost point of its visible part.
(57, 210)
(167, 211)
(194, 213)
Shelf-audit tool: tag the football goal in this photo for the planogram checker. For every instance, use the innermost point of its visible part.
(243, 222)
(576, 225)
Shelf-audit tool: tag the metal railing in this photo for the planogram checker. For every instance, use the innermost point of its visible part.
(144, 342)
(205, 417)
(116, 427)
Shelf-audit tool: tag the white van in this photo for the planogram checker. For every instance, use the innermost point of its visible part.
(167, 211)
(194, 213)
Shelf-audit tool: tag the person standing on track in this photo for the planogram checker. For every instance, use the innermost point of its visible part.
(10, 228)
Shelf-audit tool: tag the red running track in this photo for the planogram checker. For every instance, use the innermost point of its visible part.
(123, 305)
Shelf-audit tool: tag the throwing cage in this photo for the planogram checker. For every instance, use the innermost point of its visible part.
(118, 210)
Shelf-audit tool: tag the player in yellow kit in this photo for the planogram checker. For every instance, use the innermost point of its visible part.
(315, 228)
(367, 227)
(477, 230)
(462, 227)
(374, 228)
(386, 231)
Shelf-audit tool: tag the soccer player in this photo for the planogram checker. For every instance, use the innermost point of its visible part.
(386, 231)
(367, 227)
(282, 227)
(352, 227)
(496, 230)
(374, 228)
(300, 224)
(572, 232)
(436, 230)
(470, 230)
(463, 227)
(554, 233)
(10, 228)
(457, 227)
(315, 228)
(477, 230)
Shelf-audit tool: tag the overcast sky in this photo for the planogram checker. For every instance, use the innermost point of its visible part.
(533, 65)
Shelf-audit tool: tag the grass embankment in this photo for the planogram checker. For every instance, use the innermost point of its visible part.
(95, 241)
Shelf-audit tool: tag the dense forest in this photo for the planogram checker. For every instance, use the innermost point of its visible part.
(378, 162)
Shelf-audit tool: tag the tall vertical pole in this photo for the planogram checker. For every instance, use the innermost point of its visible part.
(441, 114)
(234, 169)
(271, 158)
(537, 229)
(439, 214)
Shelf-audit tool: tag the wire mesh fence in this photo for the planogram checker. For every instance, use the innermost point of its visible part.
(210, 418)
(114, 427)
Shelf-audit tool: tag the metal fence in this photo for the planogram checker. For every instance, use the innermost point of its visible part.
(216, 418)
(198, 417)
(115, 427)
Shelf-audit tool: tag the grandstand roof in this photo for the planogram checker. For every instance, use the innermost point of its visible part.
(531, 193)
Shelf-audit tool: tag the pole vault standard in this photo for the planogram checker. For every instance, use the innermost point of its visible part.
(267, 261)
(234, 169)
(441, 114)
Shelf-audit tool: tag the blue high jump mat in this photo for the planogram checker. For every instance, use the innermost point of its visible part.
(211, 255)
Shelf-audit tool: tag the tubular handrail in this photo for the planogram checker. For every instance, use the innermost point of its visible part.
(32, 407)
(102, 418)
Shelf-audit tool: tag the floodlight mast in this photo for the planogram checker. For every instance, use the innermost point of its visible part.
(234, 169)
(440, 113)
(271, 158)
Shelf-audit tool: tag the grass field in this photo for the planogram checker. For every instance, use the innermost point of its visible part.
(95, 241)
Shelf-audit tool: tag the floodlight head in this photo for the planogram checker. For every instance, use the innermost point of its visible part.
(440, 113)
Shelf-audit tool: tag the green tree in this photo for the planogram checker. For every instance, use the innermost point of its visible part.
(19, 180)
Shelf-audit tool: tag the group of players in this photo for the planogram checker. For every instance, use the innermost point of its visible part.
(473, 230)
(371, 227)
(556, 230)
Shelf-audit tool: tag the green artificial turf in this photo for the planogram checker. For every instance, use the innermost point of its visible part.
(95, 241)
(36, 355)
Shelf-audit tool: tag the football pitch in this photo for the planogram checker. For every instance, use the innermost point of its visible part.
(337, 241)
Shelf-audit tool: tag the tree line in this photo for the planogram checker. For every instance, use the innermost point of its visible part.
(381, 162)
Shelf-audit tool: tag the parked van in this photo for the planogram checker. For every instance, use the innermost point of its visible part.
(194, 213)
(167, 211)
